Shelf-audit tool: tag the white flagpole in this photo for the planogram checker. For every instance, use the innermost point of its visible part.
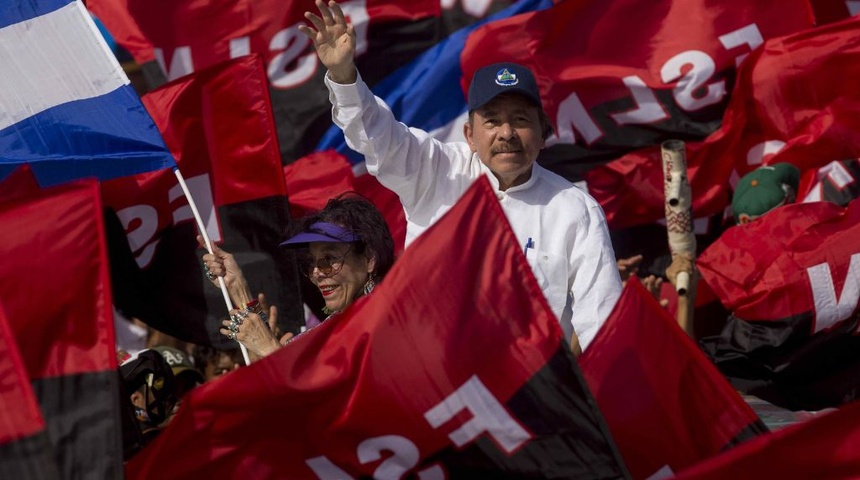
(205, 235)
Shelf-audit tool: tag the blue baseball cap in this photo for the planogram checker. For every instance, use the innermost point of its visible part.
(498, 78)
(321, 232)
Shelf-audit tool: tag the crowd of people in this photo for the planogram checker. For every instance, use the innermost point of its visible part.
(346, 249)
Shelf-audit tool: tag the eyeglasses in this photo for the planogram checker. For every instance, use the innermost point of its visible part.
(329, 265)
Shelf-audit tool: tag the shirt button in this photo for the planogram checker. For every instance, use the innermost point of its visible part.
(500, 195)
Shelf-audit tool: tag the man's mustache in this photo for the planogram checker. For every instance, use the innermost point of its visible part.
(507, 147)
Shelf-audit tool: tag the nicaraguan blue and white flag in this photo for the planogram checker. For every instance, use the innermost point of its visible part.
(66, 106)
(426, 93)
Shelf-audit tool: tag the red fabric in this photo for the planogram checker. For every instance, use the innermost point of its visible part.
(21, 182)
(665, 403)
(54, 280)
(217, 115)
(823, 448)
(376, 368)
(829, 11)
(759, 270)
(20, 415)
(388, 203)
(206, 28)
(314, 179)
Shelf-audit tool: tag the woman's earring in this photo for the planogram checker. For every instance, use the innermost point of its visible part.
(369, 285)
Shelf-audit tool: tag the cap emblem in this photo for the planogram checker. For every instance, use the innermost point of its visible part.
(506, 79)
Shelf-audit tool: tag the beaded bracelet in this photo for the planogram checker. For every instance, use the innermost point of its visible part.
(254, 307)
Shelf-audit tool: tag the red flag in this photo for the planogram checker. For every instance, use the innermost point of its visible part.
(25, 451)
(218, 125)
(837, 182)
(616, 77)
(201, 33)
(823, 448)
(55, 258)
(480, 385)
(188, 36)
(791, 280)
(767, 269)
(665, 404)
(794, 99)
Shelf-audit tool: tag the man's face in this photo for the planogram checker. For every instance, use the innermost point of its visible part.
(506, 133)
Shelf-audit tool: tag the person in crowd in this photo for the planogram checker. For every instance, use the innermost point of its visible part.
(345, 250)
(562, 229)
(764, 189)
(150, 388)
(185, 373)
(215, 362)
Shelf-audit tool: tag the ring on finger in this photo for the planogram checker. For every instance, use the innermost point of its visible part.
(231, 335)
(233, 327)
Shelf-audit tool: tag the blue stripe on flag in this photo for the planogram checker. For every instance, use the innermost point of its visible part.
(426, 93)
(16, 11)
(66, 106)
(106, 137)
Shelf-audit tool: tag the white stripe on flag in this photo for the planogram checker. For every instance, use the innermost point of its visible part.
(51, 60)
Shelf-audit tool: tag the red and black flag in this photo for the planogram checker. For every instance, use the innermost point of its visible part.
(619, 76)
(218, 125)
(171, 39)
(794, 100)
(826, 447)
(792, 282)
(666, 405)
(454, 367)
(837, 182)
(55, 287)
(25, 451)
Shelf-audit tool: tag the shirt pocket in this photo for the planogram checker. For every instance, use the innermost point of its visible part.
(550, 270)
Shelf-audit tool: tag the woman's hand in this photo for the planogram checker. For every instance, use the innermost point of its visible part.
(250, 330)
(222, 264)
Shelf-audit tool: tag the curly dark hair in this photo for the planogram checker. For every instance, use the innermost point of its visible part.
(358, 215)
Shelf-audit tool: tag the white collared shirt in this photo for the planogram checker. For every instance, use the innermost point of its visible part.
(570, 255)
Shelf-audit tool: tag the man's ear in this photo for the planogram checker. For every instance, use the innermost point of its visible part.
(138, 400)
(467, 133)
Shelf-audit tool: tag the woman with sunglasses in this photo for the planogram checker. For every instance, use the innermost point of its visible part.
(345, 250)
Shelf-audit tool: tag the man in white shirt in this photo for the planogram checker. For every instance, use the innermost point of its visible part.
(561, 228)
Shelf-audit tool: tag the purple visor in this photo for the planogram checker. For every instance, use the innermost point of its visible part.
(321, 232)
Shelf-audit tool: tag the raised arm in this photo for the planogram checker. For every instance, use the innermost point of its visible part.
(334, 40)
